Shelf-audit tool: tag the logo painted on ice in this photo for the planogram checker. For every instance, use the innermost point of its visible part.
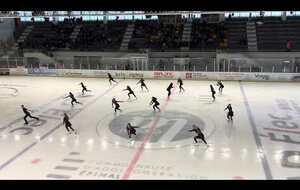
(171, 130)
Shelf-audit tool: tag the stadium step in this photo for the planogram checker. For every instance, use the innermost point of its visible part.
(251, 36)
(127, 37)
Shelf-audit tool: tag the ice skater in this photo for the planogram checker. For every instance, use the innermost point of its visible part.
(199, 133)
(116, 104)
(221, 86)
(170, 88)
(213, 92)
(142, 81)
(111, 78)
(155, 102)
(84, 88)
(179, 81)
(68, 124)
(131, 130)
(71, 95)
(230, 112)
(27, 114)
(130, 91)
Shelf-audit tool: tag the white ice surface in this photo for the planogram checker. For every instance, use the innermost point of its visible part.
(234, 152)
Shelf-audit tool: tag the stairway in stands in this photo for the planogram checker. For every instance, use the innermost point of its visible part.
(75, 32)
(186, 36)
(251, 36)
(127, 37)
(23, 36)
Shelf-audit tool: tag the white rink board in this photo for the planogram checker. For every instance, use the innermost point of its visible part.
(188, 75)
(44, 150)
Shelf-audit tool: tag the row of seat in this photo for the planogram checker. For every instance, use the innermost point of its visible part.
(97, 36)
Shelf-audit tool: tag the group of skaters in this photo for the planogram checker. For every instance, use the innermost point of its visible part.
(131, 130)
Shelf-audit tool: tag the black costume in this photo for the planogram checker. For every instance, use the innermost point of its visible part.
(84, 88)
(27, 114)
(111, 78)
(67, 123)
(155, 102)
(221, 86)
(131, 130)
(116, 103)
(200, 135)
(213, 92)
(169, 89)
(71, 95)
(180, 84)
(230, 112)
(130, 91)
(142, 81)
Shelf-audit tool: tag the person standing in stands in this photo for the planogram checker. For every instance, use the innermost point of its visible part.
(289, 45)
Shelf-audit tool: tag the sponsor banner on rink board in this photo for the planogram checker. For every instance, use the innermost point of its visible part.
(4, 71)
(42, 71)
(69, 72)
(130, 74)
(163, 74)
(195, 76)
(18, 71)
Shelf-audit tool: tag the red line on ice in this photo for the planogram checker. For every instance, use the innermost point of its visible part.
(35, 161)
(141, 148)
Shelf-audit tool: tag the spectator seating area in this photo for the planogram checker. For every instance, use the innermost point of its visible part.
(273, 35)
(49, 35)
(208, 36)
(97, 36)
(237, 34)
(156, 35)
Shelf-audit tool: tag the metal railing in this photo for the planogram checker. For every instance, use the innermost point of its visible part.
(198, 64)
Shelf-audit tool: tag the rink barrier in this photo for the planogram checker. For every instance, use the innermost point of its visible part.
(18, 71)
(168, 75)
(4, 71)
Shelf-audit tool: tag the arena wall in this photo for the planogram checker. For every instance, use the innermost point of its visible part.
(170, 75)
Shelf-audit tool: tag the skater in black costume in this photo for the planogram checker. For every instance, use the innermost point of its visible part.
(169, 89)
(27, 114)
(67, 123)
(155, 102)
(71, 95)
(131, 130)
(200, 135)
(213, 92)
(111, 78)
(179, 81)
(221, 86)
(142, 81)
(84, 88)
(116, 103)
(130, 91)
(230, 112)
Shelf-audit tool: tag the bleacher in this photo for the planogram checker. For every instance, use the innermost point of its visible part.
(156, 35)
(273, 35)
(48, 35)
(237, 34)
(97, 36)
(208, 36)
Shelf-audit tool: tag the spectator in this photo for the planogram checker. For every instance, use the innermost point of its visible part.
(289, 45)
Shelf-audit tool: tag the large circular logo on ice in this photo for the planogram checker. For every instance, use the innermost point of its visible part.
(162, 130)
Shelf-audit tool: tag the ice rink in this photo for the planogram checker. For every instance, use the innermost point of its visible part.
(262, 142)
